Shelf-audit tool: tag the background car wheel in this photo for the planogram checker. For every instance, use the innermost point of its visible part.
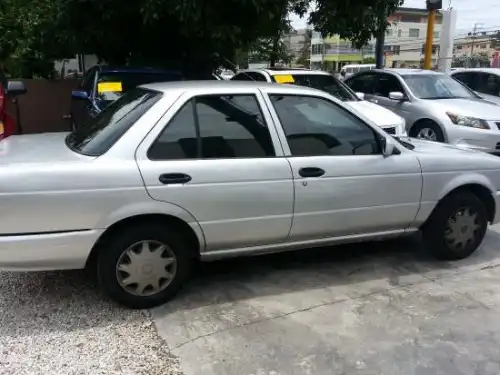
(144, 266)
(428, 130)
(457, 226)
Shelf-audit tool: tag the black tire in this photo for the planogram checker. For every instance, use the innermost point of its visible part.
(437, 226)
(112, 249)
(427, 124)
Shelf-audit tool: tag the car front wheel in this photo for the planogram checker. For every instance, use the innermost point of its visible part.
(427, 130)
(457, 226)
(144, 266)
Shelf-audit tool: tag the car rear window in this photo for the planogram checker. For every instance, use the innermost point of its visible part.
(112, 85)
(100, 133)
(322, 82)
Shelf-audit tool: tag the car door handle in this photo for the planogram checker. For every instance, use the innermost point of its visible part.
(311, 172)
(174, 178)
(374, 100)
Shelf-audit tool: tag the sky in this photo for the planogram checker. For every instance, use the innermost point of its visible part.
(484, 12)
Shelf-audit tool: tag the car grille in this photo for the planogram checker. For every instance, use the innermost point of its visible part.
(390, 130)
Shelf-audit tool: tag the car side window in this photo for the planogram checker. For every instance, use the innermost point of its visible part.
(386, 84)
(468, 79)
(315, 126)
(215, 127)
(241, 77)
(259, 77)
(362, 83)
(489, 84)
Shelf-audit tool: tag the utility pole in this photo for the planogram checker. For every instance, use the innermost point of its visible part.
(432, 7)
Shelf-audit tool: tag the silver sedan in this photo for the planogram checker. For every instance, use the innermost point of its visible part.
(435, 106)
(176, 172)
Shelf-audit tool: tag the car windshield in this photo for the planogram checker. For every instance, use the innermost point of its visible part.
(326, 83)
(436, 86)
(112, 85)
(97, 136)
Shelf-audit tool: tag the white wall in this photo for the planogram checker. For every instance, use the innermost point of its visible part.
(410, 46)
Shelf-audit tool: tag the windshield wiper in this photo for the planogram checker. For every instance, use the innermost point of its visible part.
(404, 143)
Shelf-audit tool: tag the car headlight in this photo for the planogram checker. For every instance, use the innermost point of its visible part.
(471, 122)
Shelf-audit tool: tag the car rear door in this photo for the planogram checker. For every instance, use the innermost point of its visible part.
(343, 184)
(215, 155)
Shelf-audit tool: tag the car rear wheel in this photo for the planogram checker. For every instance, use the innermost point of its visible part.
(427, 130)
(457, 226)
(144, 266)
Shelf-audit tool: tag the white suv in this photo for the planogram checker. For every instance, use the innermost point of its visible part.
(384, 118)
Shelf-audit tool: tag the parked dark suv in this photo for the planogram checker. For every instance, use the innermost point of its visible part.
(102, 85)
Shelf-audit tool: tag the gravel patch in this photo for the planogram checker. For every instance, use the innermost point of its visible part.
(59, 323)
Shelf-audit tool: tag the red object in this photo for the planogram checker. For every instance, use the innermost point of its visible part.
(7, 123)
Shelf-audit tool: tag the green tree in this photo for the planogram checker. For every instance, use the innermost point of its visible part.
(369, 60)
(357, 21)
(193, 35)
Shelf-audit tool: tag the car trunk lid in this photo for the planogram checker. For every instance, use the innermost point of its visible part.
(36, 149)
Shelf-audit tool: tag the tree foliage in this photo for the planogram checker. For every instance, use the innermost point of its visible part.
(192, 35)
(477, 60)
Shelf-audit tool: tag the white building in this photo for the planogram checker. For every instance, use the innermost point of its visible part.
(405, 38)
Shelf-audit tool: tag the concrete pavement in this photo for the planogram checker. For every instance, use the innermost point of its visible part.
(385, 308)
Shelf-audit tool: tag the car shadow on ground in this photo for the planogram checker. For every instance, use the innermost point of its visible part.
(362, 268)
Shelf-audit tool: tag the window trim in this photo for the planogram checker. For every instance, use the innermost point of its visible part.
(283, 139)
(179, 105)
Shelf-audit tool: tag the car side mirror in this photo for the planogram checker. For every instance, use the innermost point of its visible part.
(15, 88)
(360, 95)
(79, 94)
(388, 148)
(396, 95)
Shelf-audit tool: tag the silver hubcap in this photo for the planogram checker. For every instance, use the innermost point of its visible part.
(461, 228)
(146, 268)
(427, 133)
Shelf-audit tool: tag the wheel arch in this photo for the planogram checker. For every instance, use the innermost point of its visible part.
(150, 211)
(481, 190)
(431, 120)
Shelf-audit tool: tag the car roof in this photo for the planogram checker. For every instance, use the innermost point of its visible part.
(483, 70)
(132, 69)
(292, 71)
(401, 71)
(225, 84)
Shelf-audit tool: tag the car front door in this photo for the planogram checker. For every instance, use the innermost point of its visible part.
(385, 84)
(215, 156)
(81, 109)
(343, 184)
